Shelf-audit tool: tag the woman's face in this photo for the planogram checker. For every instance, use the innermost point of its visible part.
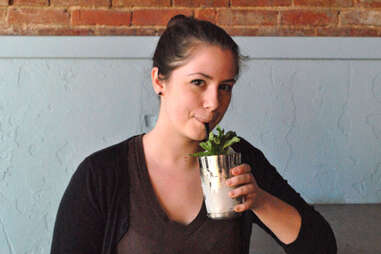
(199, 91)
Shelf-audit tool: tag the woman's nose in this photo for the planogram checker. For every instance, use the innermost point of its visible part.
(211, 99)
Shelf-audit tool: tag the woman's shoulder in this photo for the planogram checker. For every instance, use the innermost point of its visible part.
(245, 147)
(110, 157)
(254, 157)
(110, 152)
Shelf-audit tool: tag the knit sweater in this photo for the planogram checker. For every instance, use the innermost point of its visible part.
(93, 215)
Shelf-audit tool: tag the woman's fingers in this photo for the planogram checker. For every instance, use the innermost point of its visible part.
(242, 190)
(241, 169)
(244, 185)
(249, 202)
(240, 179)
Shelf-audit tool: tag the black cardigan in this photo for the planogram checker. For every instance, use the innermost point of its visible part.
(93, 215)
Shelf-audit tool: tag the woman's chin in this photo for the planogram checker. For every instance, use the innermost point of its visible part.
(201, 131)
(197, 135)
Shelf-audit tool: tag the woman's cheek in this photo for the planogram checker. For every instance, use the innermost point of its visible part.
(180, 110)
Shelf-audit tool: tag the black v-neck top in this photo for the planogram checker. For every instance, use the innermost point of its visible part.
(110, 207)
(151, 231)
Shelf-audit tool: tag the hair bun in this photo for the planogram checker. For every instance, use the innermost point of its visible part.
(176, 19)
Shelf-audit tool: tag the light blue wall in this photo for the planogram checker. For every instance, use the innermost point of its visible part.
(312, 105)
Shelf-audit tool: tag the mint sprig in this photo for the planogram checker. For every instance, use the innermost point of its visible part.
(217, 144)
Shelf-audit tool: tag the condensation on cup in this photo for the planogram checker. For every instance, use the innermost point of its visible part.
(214, 170)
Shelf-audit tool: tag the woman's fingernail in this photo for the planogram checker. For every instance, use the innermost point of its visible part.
(228, 182)
(231, 194)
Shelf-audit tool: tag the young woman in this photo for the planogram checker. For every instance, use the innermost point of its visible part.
(144, 194)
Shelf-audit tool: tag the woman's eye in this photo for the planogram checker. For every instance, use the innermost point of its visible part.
(226, 88)
(197, 82)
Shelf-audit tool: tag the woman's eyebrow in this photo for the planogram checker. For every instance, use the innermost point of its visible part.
(202, 74)
(210, 77)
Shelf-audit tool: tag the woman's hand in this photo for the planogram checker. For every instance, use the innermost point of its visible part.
(281, 218)
(245, 186)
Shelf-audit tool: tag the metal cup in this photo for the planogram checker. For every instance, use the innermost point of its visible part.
(214, 170)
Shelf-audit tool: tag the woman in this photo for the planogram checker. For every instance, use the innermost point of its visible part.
(144, 195)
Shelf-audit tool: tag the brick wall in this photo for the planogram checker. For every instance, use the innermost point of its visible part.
(149, 17)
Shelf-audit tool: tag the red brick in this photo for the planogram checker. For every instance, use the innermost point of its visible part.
(141, 31)
(4, 2)
(308, 18)
(38, 16)
(292, 31)
(272, 3)
(5, 29)
(43, 30)
(269, 31)
(347, 32)
(65, 31)
(361, 17)
(324, 3)
(245, 31)
(233, 17)
(97, 3)
(370, 3)
(101, 17)
(207, 14)
(3, 15)
(156, 17)
(201, 3)
(31, 2)
(38, 30)
(142, 3)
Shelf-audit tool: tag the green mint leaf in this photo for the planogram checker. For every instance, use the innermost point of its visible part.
(211, 136)
(205, 145)
(217, 143)
(230, 142)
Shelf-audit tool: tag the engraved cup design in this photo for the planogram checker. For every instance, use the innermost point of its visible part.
(214, 170)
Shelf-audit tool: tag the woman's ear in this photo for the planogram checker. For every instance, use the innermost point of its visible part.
(157, 83)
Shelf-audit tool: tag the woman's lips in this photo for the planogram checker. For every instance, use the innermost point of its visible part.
(204, 120)
(206, 125)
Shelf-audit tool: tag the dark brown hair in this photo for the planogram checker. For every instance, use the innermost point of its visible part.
(183, 34)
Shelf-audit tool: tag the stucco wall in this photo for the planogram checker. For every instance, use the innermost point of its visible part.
(312, 106)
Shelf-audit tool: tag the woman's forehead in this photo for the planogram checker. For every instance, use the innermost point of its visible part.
(210, 60)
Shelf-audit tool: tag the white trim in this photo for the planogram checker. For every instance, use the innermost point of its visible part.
(143, 47)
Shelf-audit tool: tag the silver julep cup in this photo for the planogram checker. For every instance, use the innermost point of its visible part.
(214, 170)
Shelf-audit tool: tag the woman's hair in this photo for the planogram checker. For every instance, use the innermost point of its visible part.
(181, 36)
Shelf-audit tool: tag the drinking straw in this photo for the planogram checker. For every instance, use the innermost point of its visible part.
(207, 131)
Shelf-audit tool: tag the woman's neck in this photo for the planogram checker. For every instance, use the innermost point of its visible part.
(171, 152)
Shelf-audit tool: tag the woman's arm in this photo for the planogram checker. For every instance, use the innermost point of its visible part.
(79, 225)
(278, 216)
(278, 208)
(281, 218)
